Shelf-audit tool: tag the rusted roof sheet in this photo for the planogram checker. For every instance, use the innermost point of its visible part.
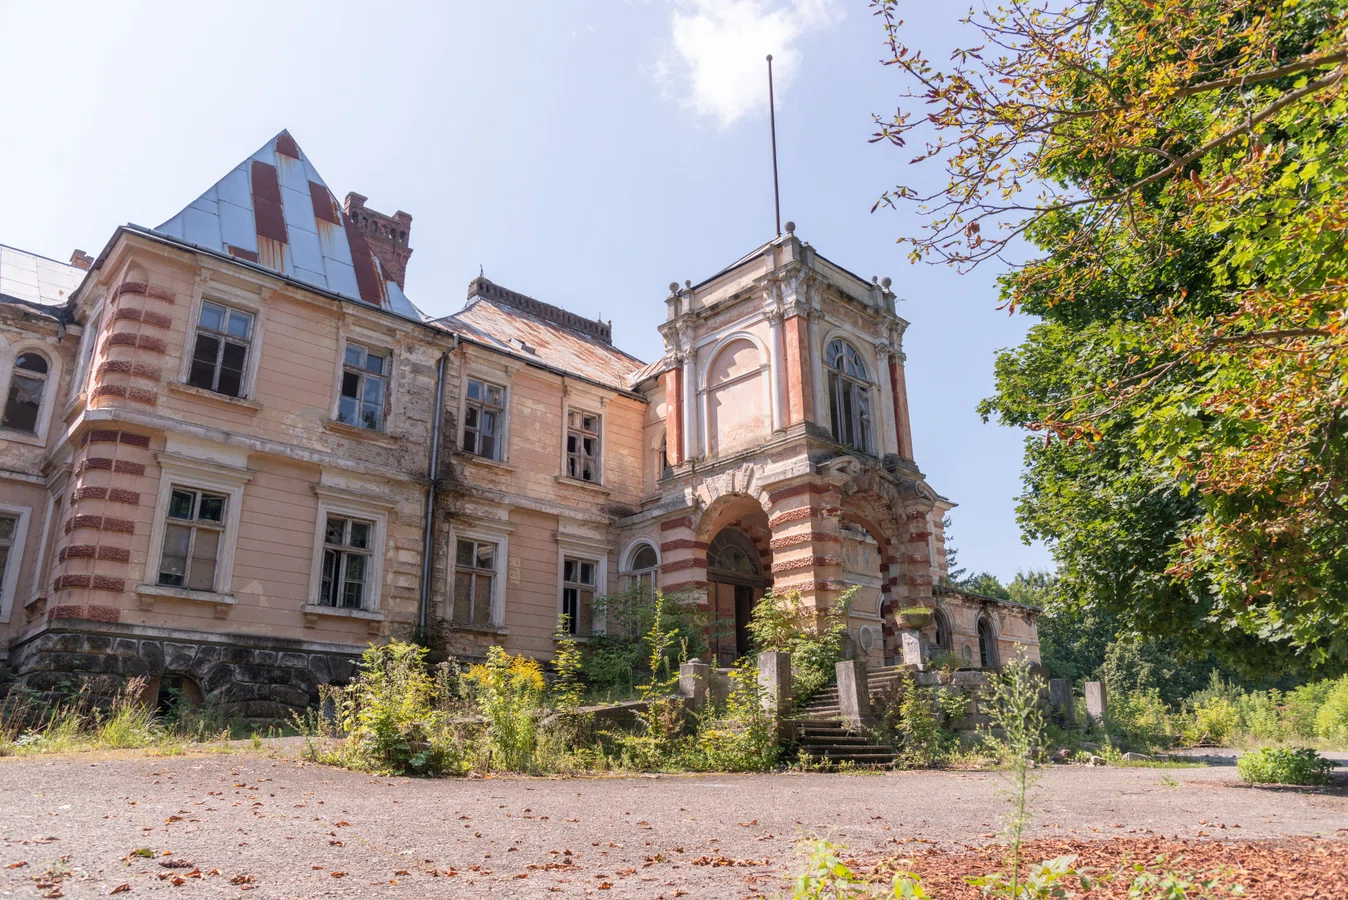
(35, 279)
(274, 209)
(525, 327)
(650, 370)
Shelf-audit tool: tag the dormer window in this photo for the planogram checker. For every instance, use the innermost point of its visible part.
(849, 395)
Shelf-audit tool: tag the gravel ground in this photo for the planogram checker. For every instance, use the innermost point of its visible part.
(265, 822)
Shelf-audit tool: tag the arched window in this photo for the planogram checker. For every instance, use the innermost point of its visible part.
(943, 631)
(629, 615)
(27, 384)
(732, 552)
(849, 395)
(641, 568)
(662, 462)
(987, 644)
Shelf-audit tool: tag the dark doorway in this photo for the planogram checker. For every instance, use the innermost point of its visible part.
(736, 575)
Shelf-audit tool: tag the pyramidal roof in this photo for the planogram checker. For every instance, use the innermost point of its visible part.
(274, 210)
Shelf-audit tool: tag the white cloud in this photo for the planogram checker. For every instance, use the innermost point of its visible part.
(715, 63)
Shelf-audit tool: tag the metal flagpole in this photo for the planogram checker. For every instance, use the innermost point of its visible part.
(772, 119)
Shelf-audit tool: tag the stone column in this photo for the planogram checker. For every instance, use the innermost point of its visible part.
(774, 680)
(1097, 703)
(889, 440)
(807, 541)
(689, 387)
(1060, 700)
(674, 430)
(776, 360)
(903, 431)
(854, 695)
(815, 353)
(694, 683)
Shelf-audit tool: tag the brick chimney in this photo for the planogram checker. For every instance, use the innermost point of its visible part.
(81, 260)
(386, 235)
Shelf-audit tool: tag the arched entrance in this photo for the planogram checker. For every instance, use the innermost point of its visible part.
(735, 573)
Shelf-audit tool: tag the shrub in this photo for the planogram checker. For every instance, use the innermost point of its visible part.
(509, 693)
(742, 738)
(815, 641)
(390, 717)
(1284, 766)
(1142, 719)
(1331, 719)
(619, 660)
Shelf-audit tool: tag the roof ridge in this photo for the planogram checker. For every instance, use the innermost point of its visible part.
(483, 287)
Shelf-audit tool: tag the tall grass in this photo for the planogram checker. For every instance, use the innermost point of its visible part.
(81, 720)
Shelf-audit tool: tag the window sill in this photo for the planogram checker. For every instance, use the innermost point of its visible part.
(148, 592)
(578, 638)
(361, 433)
(474, 459)
(313, 610)
(240, 403)
(577, 482)
(22, 437)
(479, 629)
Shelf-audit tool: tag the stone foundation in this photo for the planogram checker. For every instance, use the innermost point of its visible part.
(251, 677)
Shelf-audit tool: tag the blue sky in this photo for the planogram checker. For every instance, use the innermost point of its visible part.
(585, 152)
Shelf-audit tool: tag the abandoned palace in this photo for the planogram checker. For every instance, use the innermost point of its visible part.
(233, 453)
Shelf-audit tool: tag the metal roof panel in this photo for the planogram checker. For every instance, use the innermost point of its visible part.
(36, 279)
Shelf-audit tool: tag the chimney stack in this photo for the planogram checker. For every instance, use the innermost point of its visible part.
(81, 260)
(386, 235)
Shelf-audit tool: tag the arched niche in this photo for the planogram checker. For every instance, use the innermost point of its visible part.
(737, 398)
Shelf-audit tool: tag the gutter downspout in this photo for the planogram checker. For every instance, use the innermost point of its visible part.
(433, 470)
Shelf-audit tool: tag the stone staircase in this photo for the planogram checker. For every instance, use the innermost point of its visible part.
(824, 735)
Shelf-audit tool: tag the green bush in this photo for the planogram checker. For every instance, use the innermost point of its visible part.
(1331, 719)
(814, 640)
(390, 716)
(616, 662)
(509, 694)
(740, 738)
(1276, 765)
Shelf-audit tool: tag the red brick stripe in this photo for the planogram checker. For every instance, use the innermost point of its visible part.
(148, 290)
(671, 524)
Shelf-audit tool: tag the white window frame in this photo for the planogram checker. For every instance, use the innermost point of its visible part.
(244, 301)
(9, 585)
(601, 434)
(502, 419)
(378, 348)
(9, 354)
(493, 531)
(627, 574)
(346, 549)
(203, 475)
(579, 548)
(349, 504)
(370, 340)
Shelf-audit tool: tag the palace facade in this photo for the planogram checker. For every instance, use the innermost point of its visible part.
(233, 453)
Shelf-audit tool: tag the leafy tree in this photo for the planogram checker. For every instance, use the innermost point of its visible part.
(1178, 169)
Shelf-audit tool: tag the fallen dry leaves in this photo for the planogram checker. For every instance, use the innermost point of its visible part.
(1291, 869)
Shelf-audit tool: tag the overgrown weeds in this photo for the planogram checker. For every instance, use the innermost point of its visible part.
(81, 719)
(813, 639)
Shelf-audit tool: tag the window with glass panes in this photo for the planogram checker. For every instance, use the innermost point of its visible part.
(849, 395)
(640, 590)
(27, 384)
(194, 528)
(582, 445)
(346, 563)
(220, 354)
(364, 387)
(474, 581)
(482, 411)
(578, 584)
(9, 527)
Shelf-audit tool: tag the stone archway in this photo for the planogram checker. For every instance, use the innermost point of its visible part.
(733, 543)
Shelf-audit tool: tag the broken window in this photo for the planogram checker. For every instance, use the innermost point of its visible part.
(364, 387)
(221, 350)
(483, 409)
(578, 585)
(849, 396)
(27, 384)
(474, 581)
(582, 445)
(346, 563)
(192, 537)
(640, 590)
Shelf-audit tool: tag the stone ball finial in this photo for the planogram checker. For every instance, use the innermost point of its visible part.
(688, 283)
(885, 282)
(790, 227)
(769, 57)
(673, 287)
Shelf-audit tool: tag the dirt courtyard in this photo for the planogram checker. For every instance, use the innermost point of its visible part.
(217, 824)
